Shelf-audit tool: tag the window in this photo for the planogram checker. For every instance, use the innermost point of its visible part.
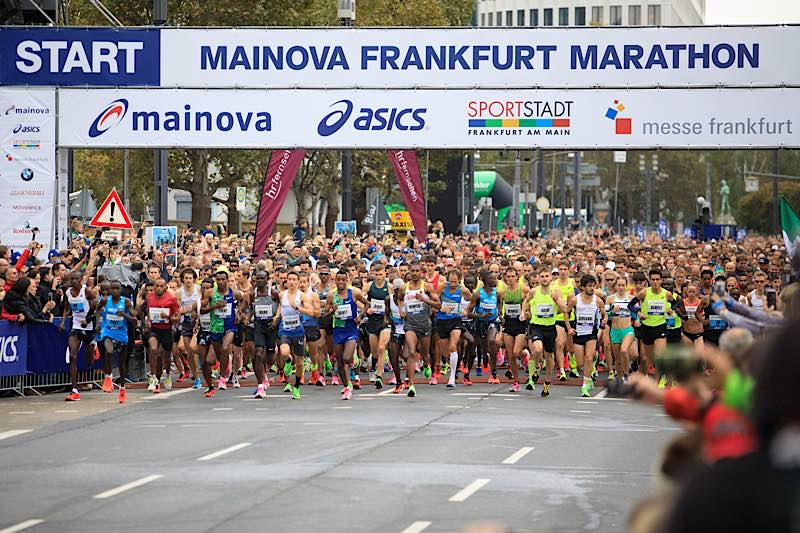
(654, 15)
(615, 15)
(509, 18)
(534, 18)
(563, 16)
(483, 19)
(183, 207)
(597, 15)
(520, 17)
(548, 16)
(491, 19)
(499, 18)
(634, 15)
(580, 16)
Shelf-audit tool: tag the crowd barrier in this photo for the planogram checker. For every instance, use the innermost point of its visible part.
(35, 356)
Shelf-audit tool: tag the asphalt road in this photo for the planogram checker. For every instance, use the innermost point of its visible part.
(442, 461)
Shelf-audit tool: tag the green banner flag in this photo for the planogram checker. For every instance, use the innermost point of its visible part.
(790, 224)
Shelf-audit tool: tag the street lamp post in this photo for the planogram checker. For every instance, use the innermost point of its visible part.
(649, 171)
(346, 10)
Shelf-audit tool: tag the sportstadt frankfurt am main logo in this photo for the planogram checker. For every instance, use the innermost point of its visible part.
(109, 117)
(622, 126)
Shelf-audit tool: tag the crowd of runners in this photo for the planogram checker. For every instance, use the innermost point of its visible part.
(316, 311)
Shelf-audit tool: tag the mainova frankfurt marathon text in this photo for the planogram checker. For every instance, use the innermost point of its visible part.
(475, 57)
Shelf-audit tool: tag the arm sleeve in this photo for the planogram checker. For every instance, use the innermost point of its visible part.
(755, 314)
(681, 405)
(23, 258)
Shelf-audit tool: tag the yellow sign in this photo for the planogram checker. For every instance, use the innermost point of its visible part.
(401, 221)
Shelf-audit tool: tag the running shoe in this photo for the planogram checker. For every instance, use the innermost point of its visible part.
(250, 366)
(612, 374)
(562, 376)
(501, 358)
(467, 382)
(530, 385)
(515, 387)
(393, 381)
(157, 390)
(662, 382)
(445, 369)
(585, 388)
(347, 393)
(486, 368)
(356, 383)
(545, 390)
(426, 372)
(288, 387)
(243, 373)
(260, 392)
(397, 389)
(236, 382)
(406, 383)
(73, 396)
(378, 382)
(295, 393)
(412, 391)
(535, 377)
(334, 380)
(372, 377)
(108, 385)
(210, 393)
(221, 384)
(183, 377)
(594, 374)
(197, 383)
(121, 395)
(168, 382)
(451, 384)
(509, 375)
(314, 376)
(320, 382)
(479, 371)
(433, 381)
(151, 383)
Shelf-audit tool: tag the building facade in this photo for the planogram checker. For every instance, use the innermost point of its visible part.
(564, 13)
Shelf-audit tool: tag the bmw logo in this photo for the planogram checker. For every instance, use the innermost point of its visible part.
(26, 174)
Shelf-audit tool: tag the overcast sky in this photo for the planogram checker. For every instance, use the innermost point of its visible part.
(752, 11)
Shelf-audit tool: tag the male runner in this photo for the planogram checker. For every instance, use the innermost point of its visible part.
(291, 333)
(588, 308)
(220, 302)
(377, 327)
(82, 303)
(163, 310)
(189, 296)
(653, 314)
(448, 321)
(564, 345)
(312, 331)
(483, 308)
(262, 330)
(419, 297)
(514, 329)
(342, 303)
(114, 333)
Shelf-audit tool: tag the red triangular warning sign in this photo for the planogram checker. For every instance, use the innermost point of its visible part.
(112, 214)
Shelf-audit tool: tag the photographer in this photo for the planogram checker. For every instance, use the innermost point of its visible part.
(753, 319)
(21, 305)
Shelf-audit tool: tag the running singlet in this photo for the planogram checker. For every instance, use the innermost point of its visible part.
(756, 302)
(377, 300)
(344, 311)
(654, 307)
(566, 291)
(263, 309)
(309, 320)
(451, 304)
(674, 321)
(586, 315)
(216, 320)
(487, 303)
(79, 306)
(512, 303)
(398, 326)
(543, 308)
(114, 326)
(191, 300)
(619, 306)
(291, 324)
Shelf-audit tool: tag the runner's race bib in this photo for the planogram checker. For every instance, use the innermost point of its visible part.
(344, 312)
(155, 315)
(226, 311)
(584, 319)
(414, 306)
(115, 322)
(488, 306)
(291, 321)
(656, 308)
(691, 310)
(670, 321)
(77, 307)
(263, 312)
(377, 306)
(513, 310)
(205, 322)
(544, 311)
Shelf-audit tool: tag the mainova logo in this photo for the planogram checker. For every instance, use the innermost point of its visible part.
(369, 119)
(109, 117)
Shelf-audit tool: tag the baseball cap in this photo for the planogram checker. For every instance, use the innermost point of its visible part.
(406, 250)
(371, 249)
(611, 265)
(53, 253)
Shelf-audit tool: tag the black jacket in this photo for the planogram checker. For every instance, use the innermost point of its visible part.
(16, 304)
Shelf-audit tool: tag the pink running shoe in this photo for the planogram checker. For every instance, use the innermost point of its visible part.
(393, 381)
(347, 394)
(335, 380)
(221, 384)
(514, 387)
(260, 393)
(433, 381)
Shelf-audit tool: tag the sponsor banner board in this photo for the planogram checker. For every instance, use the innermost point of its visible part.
(27, 166)
(585, 118)
(401, 57)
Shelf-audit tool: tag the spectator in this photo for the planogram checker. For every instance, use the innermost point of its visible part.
(21, 304)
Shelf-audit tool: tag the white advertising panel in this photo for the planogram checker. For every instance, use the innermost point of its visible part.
(27, 166)
(640, 118)
(476, 58)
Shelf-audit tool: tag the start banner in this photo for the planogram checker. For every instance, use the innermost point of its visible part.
(385, 58)
(547, 118)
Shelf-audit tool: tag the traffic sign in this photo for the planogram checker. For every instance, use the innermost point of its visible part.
(112, 214)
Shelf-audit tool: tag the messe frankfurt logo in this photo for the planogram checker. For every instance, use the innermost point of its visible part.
(622, 126)
(109, 117)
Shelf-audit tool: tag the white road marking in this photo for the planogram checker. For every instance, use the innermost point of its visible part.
(365, 399)
(469, 490)
(454, 406)
(476, 398)
(127, 486)
(172, 393)
(447, 424)
(21, 412)
(226, 451)
(517, 455)
(416, 527)
(343, 407)
(68, 411)
(38, 403)
(581, 412)
(13, 433)
(467, 394)
(194, 425)
(509, 399)
(388, 391)
(315, 423)
(586, 402)
(222, 409)
(154, 426)
(501, 395)
(36, 521)
(601, 394)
